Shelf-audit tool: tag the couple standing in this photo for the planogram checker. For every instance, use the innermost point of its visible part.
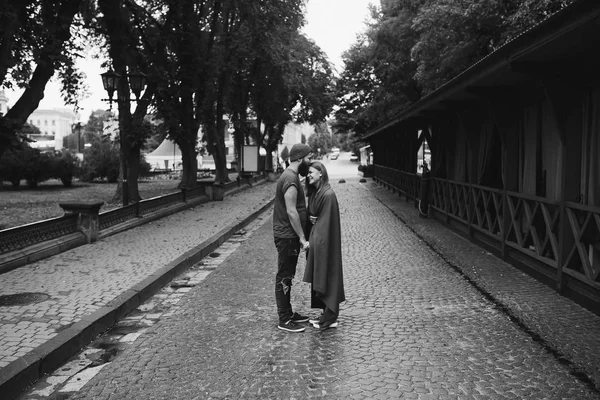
(314, 229)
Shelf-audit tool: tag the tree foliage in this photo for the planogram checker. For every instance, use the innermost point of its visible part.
(412, 47)
(204, 59)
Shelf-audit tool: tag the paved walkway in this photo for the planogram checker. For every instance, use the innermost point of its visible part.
(85, 289)
(428, 316)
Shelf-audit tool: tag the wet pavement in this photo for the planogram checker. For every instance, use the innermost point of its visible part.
(428, 316)
(85, 290)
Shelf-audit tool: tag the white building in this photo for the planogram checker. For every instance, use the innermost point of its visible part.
(54, 126)
(3, 103)
(293, 134)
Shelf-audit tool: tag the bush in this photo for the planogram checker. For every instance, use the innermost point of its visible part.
(34, 166)
(65, 166)
(100, 161)
(24, 163)
(11, 167)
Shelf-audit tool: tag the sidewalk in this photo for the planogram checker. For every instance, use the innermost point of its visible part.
(68, 299)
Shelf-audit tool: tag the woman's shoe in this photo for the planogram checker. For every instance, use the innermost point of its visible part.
(332, 325)
(316, 320)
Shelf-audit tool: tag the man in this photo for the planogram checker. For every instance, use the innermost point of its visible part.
(289, 220)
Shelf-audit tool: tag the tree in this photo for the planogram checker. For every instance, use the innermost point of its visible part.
(129, 49)
(320, 142)
(35, 33)
(157, 135)
(453, 35)
(298, 87)
(96, 123)
(521, 15)
(100, 161)
(285, 153)
(412, 47)
(378, 78)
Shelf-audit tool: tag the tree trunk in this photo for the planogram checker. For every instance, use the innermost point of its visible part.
(189, 158)
(133, 173)
(221, 174)
(119, 51)
(215, 144)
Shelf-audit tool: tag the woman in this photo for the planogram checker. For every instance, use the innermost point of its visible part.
(324, 260)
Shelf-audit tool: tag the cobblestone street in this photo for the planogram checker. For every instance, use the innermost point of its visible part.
(412, 327)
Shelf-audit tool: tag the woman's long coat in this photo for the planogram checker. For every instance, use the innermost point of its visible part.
(324, 261)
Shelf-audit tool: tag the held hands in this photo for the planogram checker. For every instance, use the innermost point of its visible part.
(313, 220)
(305, 245)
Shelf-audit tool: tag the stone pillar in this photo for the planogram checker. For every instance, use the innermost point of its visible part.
(87, 217)
(218, 192)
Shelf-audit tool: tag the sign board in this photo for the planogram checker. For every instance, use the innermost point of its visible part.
(250, 159)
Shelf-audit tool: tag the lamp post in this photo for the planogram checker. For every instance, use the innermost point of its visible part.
(78, 130)
(137, 83)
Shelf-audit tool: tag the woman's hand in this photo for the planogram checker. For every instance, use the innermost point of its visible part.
(305, 246)
(313, 220)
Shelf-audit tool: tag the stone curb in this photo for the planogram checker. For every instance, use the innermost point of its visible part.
(18, 375)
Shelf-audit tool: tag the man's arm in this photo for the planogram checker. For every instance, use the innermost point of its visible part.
(291, 196)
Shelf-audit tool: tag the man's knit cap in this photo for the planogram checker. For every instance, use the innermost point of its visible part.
(299, 151)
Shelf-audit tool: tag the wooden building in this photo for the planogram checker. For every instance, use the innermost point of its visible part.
(515, 152)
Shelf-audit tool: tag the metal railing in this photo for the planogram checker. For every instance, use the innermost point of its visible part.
(19, 237)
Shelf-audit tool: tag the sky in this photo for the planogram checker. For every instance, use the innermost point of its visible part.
(332, 24)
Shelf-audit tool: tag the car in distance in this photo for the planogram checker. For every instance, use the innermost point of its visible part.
(333, 156)
(353, 157)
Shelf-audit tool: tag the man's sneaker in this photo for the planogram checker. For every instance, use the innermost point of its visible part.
(299, 318)
(291, 326)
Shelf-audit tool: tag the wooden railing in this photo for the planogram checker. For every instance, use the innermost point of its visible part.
(399, 181)
(582, 243)
(478, 207)
(561, 240)
(533, 227)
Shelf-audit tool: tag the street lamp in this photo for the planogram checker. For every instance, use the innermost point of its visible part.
(137, 83)
(110, 81)
(78, 131)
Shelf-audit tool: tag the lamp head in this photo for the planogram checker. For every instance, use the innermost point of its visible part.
(137, 82)
(110, 81)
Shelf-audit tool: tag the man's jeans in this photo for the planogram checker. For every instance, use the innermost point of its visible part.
(287, 259)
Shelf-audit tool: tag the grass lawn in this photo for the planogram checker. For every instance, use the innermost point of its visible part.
(23, 205)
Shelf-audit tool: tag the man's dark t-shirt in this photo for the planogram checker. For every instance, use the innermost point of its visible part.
(282, 228)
